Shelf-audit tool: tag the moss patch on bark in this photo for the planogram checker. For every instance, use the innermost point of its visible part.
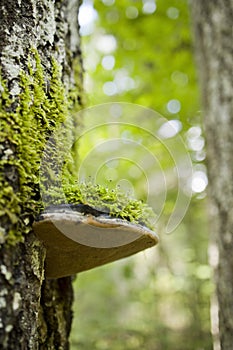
(27, 122)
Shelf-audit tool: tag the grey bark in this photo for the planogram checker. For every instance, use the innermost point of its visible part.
(213, 37)
(34, 313)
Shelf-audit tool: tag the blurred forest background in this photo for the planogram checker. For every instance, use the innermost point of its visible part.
(141, 52)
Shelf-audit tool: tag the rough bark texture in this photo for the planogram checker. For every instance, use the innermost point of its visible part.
(34, 313)
(213, 33)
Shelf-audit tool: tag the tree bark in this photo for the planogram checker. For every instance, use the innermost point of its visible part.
(213, 37)
(35, 313)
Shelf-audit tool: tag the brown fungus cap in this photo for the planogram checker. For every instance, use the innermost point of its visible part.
(77, 241)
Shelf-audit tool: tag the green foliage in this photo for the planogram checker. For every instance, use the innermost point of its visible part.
(158, 299)
(153, 57)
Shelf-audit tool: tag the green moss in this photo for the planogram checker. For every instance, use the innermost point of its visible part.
(27, 122)
(113, 202)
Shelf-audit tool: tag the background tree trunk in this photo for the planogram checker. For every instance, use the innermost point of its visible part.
(213, 34)
(34, 313)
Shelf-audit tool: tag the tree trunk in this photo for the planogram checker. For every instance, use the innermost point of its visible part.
(35, 313)
(213, 35)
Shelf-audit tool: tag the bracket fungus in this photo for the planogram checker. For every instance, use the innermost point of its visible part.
(78, 238)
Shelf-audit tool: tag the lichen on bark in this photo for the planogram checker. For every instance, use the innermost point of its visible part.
(212, 22)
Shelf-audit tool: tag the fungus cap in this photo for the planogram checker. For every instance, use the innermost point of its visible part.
(76, 241)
